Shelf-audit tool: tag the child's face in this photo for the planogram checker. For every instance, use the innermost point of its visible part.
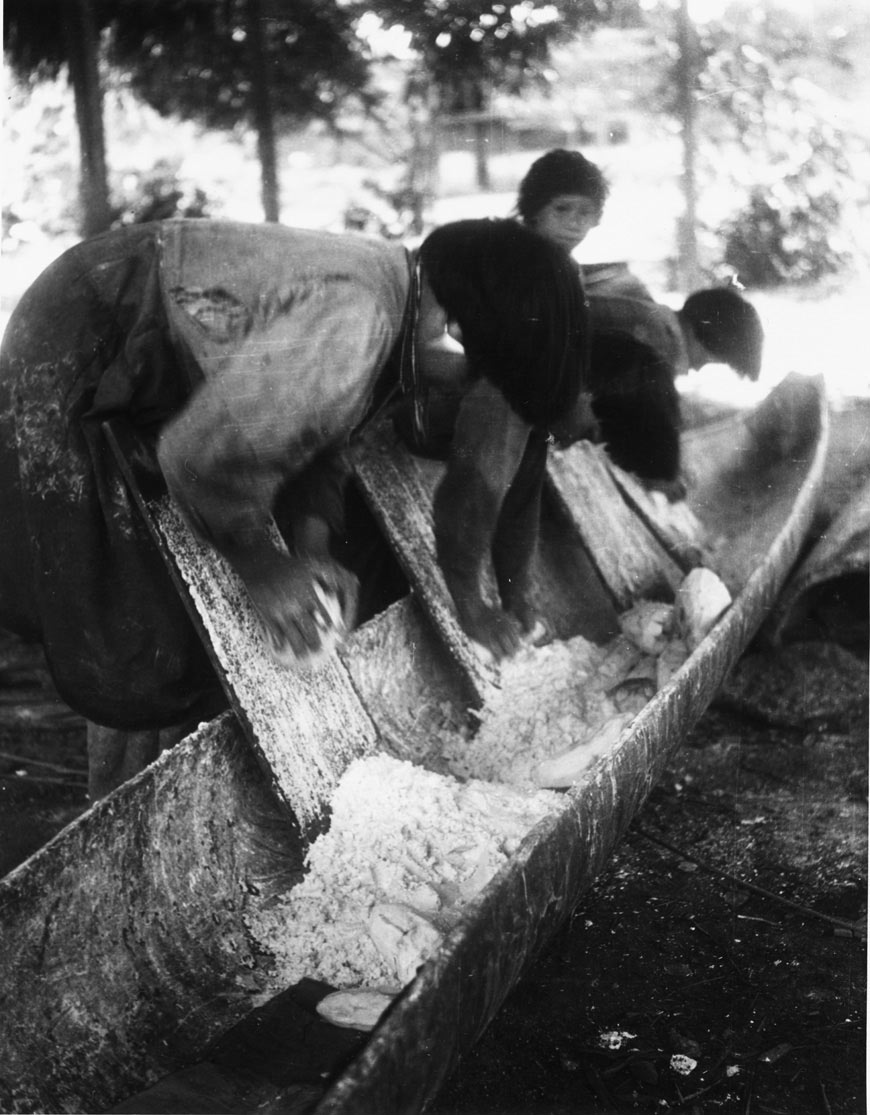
(567, 219)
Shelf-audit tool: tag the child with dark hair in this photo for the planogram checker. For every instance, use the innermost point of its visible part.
(727, 327)
(246, 357)
(638, 346)
(562, 197)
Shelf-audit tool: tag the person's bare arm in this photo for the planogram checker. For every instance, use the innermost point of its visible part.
(272, 403)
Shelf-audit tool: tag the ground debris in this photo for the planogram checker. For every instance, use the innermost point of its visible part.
(801, 687)
(763, 976)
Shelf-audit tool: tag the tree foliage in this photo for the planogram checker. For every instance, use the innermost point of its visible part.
(40, 37)
(781, 145)
(789, 229)
(223, 63)
(465, 49)
(467, 46)
(33, 37)
(192, 57)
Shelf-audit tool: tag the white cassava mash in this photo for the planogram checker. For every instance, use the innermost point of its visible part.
(408, 847)
(402, 841)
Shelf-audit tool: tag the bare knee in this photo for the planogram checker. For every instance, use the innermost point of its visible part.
(114, 756)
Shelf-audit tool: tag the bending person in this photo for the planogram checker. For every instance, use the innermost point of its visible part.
(638, 346)
(247, 357)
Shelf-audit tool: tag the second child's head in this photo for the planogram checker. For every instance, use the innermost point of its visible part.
(728, 329)
(562, 197)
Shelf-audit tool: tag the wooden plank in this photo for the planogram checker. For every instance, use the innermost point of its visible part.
(571, 584)
(306, 724)
(399, 489)
(675, 526)
(630, 560)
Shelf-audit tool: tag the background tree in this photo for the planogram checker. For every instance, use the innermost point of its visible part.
(467, 48)
(263, 64)
(804, 172)
(242, 63)
(39, 38)
(763, 133)
(765, 137)
(686, 74)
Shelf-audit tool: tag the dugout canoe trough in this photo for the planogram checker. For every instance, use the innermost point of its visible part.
(129, 966)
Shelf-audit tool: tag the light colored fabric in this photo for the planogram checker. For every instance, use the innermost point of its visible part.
(291, 329)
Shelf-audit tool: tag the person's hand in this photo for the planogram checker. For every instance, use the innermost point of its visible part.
(306, 606)
(535, 630)
(672, 490)
(493, 630)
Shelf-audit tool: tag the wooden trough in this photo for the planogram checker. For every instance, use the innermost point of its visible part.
(125, 946)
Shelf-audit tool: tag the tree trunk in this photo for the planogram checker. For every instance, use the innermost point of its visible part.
(481, 101)
(80, 33)
(261, 107)
(687, 68)
(481, 154)
(423, 158)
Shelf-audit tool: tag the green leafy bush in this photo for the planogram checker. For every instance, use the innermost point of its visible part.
(785, 235)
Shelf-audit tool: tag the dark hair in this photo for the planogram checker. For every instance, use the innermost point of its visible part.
(560, 172)
(519, 302)
(728, 327)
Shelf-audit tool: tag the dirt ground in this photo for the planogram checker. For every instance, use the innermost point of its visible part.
(719, 964)
(676, 988)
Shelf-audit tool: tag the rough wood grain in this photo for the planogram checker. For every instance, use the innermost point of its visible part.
(674, 525)
(307, 723)
(399, 488)
(124, 947)
(629, 558)
(570, 594)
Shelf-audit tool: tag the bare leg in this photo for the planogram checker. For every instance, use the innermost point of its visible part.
(114, 756)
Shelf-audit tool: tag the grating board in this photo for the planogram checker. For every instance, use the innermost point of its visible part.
(307, 724)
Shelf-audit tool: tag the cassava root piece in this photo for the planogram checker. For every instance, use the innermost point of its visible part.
(360, 1008)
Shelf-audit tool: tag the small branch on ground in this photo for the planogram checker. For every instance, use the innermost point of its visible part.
(21, 760)
(807, 911)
